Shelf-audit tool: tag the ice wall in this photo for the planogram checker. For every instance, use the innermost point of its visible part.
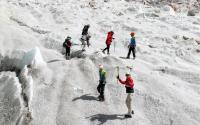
(32, 58)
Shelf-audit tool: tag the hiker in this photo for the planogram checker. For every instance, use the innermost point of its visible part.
(85, 39)
(67, 44)
(108, 42)
(131, 46)
(129, 84)
(102, 83)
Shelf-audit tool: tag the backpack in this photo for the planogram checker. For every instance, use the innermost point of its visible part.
(85, 30)
(65, 43)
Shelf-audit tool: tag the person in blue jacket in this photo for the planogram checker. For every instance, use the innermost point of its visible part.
(132, 46)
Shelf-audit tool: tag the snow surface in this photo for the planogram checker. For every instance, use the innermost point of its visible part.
(63, 92)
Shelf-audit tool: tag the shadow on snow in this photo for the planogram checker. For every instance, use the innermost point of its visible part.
(85, 97)
(102, 118)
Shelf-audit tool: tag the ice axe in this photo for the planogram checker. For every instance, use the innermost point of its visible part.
(130, 68)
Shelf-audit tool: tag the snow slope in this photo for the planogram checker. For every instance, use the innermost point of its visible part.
(63, 92)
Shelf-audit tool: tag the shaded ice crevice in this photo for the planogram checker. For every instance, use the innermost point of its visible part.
(22, 63)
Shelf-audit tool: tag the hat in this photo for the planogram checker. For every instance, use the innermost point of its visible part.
(128, 73)
(132, 34)
(112, 32)
(100, 66)
(69, 38)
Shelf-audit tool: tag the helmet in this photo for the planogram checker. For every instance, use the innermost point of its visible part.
(100, 66)
(111, 32)
(132, 34)
(88, 25)
(69, 38)
(128, 73)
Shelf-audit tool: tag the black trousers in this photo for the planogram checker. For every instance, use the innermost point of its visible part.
(67, 51)
(131, 49)
(100, 89)
(107, 48)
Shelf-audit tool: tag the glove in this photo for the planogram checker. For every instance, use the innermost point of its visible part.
(128, 46)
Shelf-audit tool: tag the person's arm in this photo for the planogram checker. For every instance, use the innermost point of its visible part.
(130, 42)
(121, 81)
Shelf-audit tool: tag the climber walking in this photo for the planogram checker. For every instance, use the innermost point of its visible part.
(132, 46)
(108, 42)
(67, 45)
(102, 83)
(129, 84)
(85, 39)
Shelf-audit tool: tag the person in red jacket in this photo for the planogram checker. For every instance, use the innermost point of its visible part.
(108, 42)
(129, 84)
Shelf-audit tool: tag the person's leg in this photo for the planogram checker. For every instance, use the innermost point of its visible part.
(108, 49)
(102, 91)
(98, 88)
(133, 50)
(88, 42)
(105, 49)
(83, 46)
(129, 52)
(128, 103)
(83, 40)
(67, 52)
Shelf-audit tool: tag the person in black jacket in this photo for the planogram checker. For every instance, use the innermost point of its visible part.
(67, 44)
(85, 36)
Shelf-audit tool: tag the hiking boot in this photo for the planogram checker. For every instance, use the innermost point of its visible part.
(101, 99)
(132, 112)
(128, 116)
(128, 57)
(103, 52)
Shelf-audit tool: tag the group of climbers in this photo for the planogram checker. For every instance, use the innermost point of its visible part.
(85, 41)
(128, 83)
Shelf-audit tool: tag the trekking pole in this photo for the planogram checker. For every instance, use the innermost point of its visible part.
(114, 46)
(117, 73)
